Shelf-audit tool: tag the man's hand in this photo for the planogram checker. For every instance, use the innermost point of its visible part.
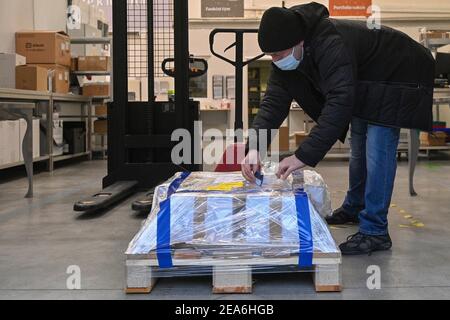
(251, 165)
(289, 165)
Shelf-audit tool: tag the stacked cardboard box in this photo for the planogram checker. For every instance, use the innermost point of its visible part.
(101, 110)
(101, 127)
(284, 139)
(12, 134)
(60, 77)
(300, 137)
(435, 34)
(31, 77)
(58, 136)
(9, 142)
(96, 89)
(435, 139)
(44, 50)
(93, 63)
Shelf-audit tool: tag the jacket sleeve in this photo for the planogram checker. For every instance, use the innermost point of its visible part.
(274, 109)
(337, 72)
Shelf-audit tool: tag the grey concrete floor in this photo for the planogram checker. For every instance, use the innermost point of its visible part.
(42, 237)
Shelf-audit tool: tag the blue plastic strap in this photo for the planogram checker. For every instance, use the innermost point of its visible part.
(163, 250)
(304, 230)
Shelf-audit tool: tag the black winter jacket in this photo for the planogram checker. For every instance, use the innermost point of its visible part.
(381, 75)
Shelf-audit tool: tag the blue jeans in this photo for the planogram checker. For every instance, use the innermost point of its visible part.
(373, 166)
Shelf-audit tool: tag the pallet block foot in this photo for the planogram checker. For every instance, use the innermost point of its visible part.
(138, 290)
(140, 279)
(328, 278)
(232, 280)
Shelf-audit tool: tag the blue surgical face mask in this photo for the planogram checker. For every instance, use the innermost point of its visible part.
(289, 63)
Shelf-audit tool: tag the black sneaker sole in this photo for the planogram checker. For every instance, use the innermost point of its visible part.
(366, 252)
(350, 223)
(338, 223)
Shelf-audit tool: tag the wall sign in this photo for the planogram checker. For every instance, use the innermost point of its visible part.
(222, 8)
(353, 8)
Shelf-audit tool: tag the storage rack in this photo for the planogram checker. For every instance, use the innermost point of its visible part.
(98, 99)
(48, 100)
(441, 96)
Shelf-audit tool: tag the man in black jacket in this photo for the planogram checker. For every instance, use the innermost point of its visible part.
(342, 73)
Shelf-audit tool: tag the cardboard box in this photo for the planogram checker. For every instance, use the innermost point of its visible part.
(101, 110)
(433, 139)
(435, 34)
(300, 137)
(60, 77)
(93, 63)
(58, 138)
(96, 90)
(8, 64)
(86, 31)
(44, 47)
(31, 78)
(3, 143)
(284, 139)
(9, 142)
(101, 126)
(36, 137)
(74, 64)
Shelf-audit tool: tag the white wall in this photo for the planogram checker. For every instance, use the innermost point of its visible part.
(14, 15)
(29, 15)
(50, 14)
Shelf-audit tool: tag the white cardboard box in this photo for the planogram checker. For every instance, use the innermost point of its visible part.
(86, 31)
(36, 138)
(8, 64)
(58, 138)
(10, 147)
(2, 143)
(84, 10)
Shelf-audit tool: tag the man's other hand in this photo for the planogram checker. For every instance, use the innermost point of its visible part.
(288, 166)
(251, 165)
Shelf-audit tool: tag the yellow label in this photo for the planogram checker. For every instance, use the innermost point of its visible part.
(230, 186)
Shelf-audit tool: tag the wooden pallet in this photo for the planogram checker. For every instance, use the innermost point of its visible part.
(231, 276)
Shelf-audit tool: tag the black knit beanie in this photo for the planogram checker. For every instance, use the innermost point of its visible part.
(280, 29)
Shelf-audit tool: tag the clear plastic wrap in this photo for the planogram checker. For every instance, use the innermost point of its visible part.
(205, 219)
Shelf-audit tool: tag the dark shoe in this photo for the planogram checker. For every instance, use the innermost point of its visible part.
(364, 244)
(340, 216)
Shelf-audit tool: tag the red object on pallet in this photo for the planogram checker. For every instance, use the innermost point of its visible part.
(232, 164)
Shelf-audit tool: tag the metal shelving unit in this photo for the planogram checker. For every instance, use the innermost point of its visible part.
(91, 73)
(49, 99)
(21, 163)
(103, 40)
(71, 156)
(441, 95)
(96, 100)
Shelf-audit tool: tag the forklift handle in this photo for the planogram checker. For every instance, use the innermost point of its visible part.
(193, 73)
(237, 32)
